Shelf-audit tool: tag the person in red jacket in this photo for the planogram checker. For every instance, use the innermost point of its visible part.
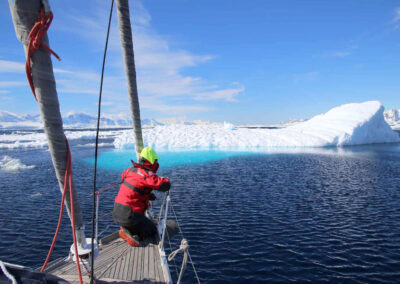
(133, 197)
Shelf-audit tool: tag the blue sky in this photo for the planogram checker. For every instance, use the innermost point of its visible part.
(239, 61)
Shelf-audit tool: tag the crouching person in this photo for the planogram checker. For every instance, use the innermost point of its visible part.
(133, 198)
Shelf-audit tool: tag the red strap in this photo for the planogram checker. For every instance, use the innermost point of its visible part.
(38, 30)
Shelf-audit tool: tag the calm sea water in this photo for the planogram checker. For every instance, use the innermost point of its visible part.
(322, 215)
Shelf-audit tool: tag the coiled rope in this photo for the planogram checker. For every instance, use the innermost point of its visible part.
(182, 248)
(38, 30)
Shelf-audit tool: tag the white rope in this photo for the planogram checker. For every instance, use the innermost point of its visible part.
(184, 248)
(6, 273)
(170, 248)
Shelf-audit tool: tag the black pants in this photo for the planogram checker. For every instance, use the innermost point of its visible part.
(141, 226)
(136, 223)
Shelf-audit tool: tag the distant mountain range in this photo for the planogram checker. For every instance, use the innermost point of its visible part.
(9, 120)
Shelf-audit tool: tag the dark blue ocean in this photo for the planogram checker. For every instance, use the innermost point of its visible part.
(310, 215)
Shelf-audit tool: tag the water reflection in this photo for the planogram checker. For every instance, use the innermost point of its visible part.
(120, 159)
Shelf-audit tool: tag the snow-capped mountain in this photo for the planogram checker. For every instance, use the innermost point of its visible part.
(9, 120)
(6, 116)
(392, 117)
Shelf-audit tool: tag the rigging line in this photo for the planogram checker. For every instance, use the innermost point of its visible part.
(180, 230)
(105, 188)
(97, 142)
(170, 247)
(59, 216)
(71, 197)
(7, 274)
(101, 217)
(102, 232)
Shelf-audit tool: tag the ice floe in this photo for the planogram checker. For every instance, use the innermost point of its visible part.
(34, 139)
(12, 164)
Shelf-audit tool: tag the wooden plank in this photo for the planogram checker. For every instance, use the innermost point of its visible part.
(118, 261)
(139, 276)
(107, 257)
(130, 264)
(114, 267)
(109, 263)
(126, 265)
(146, 263)
(151, 264)
(120, 265)
(158, 266)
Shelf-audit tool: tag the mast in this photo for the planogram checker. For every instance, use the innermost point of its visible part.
(124, 23)
(24, 14)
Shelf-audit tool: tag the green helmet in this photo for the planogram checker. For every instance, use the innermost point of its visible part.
(149, 154)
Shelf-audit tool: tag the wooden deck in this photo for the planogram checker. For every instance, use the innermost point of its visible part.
(117, 262)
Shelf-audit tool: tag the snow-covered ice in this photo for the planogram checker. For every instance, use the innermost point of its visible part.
(33, 139)
(393, 118)
(12, 164)
(349, 124)
(229, 126)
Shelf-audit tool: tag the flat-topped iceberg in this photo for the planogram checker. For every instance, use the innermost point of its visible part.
(349, 124)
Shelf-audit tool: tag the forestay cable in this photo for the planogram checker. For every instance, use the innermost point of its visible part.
(97, 143)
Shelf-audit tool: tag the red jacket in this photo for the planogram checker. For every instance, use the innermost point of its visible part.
(137, 184)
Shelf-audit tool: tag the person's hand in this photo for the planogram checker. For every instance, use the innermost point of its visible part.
(152, 196)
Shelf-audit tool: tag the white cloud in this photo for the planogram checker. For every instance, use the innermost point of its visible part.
(339, 54)
(334, 54)
(5, 84)
(172, 109)
(163, 83)
(308, 76)
(19, 67)
(160, 68)
(11, 66)
(107, 103)
(226, 94)
(396, 18)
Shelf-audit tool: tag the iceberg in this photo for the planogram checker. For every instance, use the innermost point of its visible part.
(393, 118)
(12, 164)
(349, 124)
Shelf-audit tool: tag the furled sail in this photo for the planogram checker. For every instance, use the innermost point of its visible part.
(24, 14)
(130, 71)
